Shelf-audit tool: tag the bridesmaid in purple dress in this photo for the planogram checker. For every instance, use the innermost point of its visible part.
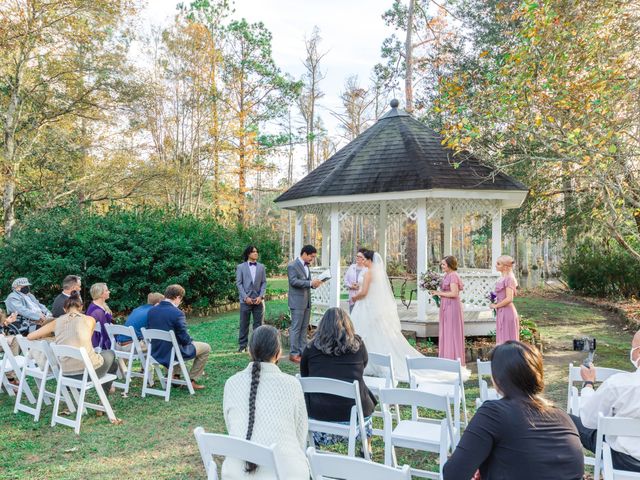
(451, 332)
(507, 321)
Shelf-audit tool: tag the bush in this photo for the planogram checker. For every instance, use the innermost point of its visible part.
(602, 269)
(134, 252)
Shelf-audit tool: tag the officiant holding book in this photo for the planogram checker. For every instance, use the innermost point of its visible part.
(251, 280)
(300, 285)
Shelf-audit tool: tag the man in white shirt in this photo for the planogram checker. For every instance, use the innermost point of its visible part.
(618, 396)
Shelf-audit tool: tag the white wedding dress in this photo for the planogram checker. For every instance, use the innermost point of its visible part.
(375, 318)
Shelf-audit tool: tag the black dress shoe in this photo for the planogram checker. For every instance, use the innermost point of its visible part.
(242, 349)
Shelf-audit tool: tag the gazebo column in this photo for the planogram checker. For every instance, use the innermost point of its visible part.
(297, 242)
(496, 238)
(382, 231)
(326, 242)
(446, 221)
(421, 254)
(336, 280)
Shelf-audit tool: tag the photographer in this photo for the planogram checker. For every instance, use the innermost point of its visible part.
(618, 396)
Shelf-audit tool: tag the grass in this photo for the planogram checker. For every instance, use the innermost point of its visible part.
(156, 439)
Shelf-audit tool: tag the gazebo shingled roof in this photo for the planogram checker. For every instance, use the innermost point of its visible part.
(398, 153)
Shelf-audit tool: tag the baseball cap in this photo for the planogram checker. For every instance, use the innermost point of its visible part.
(20, 282)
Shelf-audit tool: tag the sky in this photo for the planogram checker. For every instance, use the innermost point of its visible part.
(352, 32)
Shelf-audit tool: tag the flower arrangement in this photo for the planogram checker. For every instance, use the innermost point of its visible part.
(430, 280)
(492, 297)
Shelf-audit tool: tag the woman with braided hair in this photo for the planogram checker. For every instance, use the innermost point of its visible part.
(266, 406)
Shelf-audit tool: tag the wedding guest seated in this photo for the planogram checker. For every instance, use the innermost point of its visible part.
(138, 319)
(266, 406)
(619, 395)
(167, 316)
(99, 310)
(336, 352)
(10, 334)
(31, 313)
(75, 330)
(521, 435)
(71, 283)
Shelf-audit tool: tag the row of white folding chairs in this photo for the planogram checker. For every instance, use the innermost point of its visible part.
(49, 355)
(428, 374)
(323, 466)
(419, 433)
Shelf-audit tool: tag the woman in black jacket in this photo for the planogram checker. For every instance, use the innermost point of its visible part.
(336, 352)
(521, 436)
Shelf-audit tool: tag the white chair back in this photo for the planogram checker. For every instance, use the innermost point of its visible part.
(613, 427)
(609, 472)
(329, 466)
(211, 444)
(453, 387)
(125, 358)
(573, 395)
(150, 335)
(385, 363)
(311, 385)
(419, 433)
(88, 381)
(12, 363)
(484, 377)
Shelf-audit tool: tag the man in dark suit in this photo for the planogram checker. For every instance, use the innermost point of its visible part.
(251, 280)
(167, 316)
(300, 285)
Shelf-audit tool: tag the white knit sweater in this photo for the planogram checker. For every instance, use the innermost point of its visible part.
(280, 418)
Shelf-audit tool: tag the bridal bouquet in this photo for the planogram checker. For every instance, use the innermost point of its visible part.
(430, 280)
(492, 297)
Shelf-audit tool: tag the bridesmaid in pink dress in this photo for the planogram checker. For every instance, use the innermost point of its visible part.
(451, 331)
(507, 321)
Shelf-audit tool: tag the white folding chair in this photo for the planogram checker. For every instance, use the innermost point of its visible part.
(211, 444)
(431, 435)
(486, 392)
(384, 363)
(443, 377)
(611, 426)
(152, 337)
(41, 372)
(609, 472)
(13, 363)
(330, 386)
(126, 358)
(328, 466)
(89, 380)
(573, 395)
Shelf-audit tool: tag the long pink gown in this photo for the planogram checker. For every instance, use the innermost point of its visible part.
(451, 340)
(507, 321)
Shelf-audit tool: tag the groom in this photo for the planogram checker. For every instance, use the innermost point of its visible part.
(300, 285)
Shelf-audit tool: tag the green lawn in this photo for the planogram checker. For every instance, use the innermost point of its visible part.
(156, 439)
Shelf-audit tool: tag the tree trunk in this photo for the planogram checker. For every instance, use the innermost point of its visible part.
(408, 58)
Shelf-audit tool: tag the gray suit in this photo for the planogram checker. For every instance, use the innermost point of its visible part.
(300, 305)
(247, 287)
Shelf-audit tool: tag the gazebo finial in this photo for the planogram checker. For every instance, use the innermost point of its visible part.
(394, 103)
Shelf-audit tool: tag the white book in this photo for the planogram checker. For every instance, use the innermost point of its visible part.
(324, 276)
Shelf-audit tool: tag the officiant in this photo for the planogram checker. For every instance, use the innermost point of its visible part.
(353, 277)
(251, 280)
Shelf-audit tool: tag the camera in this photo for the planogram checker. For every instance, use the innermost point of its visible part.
(585, 344)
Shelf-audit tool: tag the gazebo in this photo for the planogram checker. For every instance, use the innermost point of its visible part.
(398, 168)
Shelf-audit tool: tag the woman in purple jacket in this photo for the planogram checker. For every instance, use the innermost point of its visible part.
(99, 310)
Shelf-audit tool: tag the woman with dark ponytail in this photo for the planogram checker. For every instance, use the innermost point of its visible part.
(266, 406)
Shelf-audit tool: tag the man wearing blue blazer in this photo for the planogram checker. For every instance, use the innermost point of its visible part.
(251, 280)
(167, 316)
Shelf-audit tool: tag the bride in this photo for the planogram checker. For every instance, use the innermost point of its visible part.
(375, 318)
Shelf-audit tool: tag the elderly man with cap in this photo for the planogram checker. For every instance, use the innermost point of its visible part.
(31, 313)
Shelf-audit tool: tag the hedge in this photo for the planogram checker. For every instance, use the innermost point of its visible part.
(603, 269)
(134, 252)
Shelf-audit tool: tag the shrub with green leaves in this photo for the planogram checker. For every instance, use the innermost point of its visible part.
(602, 269)
(134, 252)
